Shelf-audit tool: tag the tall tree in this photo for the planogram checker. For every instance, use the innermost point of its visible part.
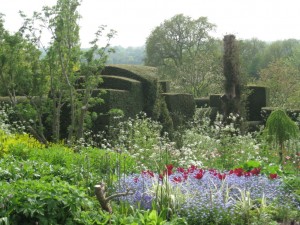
(62, 64)
(283, 80)
(279, 50)
(20, 74)
(62, 55)
(184, 51)
(251, 56)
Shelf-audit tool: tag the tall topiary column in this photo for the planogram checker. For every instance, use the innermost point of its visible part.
(231, 69)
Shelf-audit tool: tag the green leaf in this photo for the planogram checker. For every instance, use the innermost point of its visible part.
(153, 216)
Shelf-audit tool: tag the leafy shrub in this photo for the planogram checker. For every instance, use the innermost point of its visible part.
(145, 217)
(84, 168)
(31, 202)
(140, 138)
(279, 129)
(17, 144)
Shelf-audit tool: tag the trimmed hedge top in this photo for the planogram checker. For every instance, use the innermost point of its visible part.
(137, 72)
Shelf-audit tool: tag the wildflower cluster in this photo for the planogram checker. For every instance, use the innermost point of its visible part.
(204, 191)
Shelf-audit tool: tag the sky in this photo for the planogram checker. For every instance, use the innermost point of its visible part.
(266, 20)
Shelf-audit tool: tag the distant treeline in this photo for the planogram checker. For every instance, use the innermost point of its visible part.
(122, 55)
(129, 55)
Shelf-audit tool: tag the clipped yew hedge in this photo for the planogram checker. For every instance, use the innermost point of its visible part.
(146, 75)
(202, 102)
(181, 107)
(257, 99)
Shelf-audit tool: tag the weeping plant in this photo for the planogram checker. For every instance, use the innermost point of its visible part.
(279, 129)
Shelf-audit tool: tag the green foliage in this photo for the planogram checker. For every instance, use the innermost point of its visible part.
(292, 183)
(17, 144)
(186, 54)
(34, 178)
(20, 72)
(146, 75)
(281, 49)
(145, 217)
(161, 113)
(84, 168)
(251, 56)
(281, 77)
(33, 201)
(55, 74)
(249, 165)
(280, 128)
(181, 107)
(141, 139)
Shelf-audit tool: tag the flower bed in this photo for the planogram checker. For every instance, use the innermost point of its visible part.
(197, 194)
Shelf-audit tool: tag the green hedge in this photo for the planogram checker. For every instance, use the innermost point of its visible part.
(7, 100)
(165, 86)
(119, 83)
(202, 102)
(216, 102)
(257, 99)
(181, 107)
(146, 75)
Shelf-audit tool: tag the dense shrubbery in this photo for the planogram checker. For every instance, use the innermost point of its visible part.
(36, 201)
(54, 185)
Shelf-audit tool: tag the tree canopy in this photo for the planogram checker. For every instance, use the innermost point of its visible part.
(183, 49)
(52, 78)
